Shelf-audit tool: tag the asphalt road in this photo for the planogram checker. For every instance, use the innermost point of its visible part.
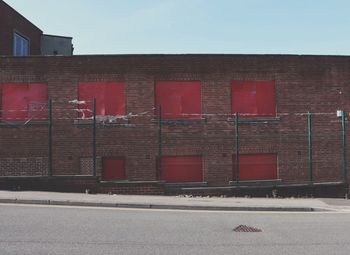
(37, 230)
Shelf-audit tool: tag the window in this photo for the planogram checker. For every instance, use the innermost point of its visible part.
(179, 99)
(254, 98)
(113, 169)
(20, 45)
(24, 101)
(256, 167)
(182, 169)
(110, 99)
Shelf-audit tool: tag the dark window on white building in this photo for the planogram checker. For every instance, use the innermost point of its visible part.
(20, 45)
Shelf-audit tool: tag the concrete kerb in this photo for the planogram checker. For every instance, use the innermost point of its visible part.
(161, 206)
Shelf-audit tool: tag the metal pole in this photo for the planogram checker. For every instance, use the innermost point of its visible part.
(345, 173)
(160, 141)
(237, 147)
(309, 125)
(50, 138)
(94, 139)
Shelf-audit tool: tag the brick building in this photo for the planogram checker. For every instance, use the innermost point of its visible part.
(168, 123)
(20, 37)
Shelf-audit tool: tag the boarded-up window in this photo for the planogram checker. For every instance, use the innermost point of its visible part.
(256, 167)
(110, 98)
(23, 101)
(254, 98)
(113, 169)
(182, 169)
(179, 99)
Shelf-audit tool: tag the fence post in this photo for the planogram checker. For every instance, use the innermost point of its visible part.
(237, 147)
(345, 172)
(94, 139)
(49, 172)
(309, 125)
(160, 142)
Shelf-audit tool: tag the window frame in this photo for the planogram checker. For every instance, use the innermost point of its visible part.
(27, 112)
(86, 106)
(247, 115)
(200, 157)
(253, 179)
(103, 169)
(14, 44)
(176, 118)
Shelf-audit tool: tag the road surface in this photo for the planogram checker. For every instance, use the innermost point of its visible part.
(33, 229)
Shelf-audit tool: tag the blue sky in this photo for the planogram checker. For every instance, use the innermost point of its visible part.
(195, 26)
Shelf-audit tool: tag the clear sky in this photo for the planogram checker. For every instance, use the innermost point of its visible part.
(195, 26)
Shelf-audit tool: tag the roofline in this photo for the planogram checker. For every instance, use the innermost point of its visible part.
(180, 55)
(59, 36)
(207, 55)
(14, 10)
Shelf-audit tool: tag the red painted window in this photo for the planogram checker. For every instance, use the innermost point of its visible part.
(182, 169)
(113, 169)
(256, 167)
(179, 99)
(254, 98)
(110, 98)
(24, 101)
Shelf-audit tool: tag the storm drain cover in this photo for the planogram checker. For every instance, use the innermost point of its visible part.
(244, 228)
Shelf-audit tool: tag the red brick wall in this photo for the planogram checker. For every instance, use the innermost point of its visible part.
(303, 83)
(11, 21)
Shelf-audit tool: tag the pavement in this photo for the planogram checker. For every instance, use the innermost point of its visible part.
(176, 202)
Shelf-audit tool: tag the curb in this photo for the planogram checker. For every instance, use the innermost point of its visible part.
(160, 206)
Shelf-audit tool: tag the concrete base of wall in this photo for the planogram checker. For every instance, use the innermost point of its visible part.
(92, 184)
(325, 190)
(81, 184)
(132, 187)
(57, 183)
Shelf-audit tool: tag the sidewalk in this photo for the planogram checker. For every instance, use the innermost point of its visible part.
(176, 202)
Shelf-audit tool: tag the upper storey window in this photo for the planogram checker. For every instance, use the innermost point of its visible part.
(20, 45)
(24, 101)
(110, 98)
(254, 98)
(179, 99)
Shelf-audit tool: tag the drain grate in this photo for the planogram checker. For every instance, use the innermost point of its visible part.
(244, 228)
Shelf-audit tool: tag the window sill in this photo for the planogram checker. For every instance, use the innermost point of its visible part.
(257, 182)
(89, 122)
(256, 120)
(17, 124)
(128, 182)
(186, 184)
(181, 122)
